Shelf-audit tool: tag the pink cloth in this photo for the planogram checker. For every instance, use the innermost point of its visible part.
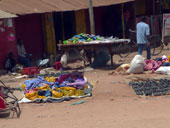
(152, 65)
(30, 91)
(79, 84)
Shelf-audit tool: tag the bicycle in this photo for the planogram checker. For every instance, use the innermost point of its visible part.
(156, 44)
(8, 102)
(126, 48)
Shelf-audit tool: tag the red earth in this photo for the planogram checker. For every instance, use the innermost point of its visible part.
(113, 105)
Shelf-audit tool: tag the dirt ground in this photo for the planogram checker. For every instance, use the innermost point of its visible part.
(113, 105)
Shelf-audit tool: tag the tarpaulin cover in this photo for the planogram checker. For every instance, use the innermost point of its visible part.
(22, 7)
(6, 15)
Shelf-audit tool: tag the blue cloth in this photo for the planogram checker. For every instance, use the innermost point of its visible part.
(166, 64)
(70, 80)
(48, 93)
(41, 93)
(140, 50)
(80, 79)
(36, 83)
(56, 84)
(100, 60)
(25, 61)
(158, 59)
(64, 84)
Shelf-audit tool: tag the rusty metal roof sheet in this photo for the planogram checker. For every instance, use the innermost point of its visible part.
(109, 2)
(6, 15)
(22, 7)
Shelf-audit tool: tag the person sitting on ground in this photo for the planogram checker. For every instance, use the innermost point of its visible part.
(10, 63)
(23, 57)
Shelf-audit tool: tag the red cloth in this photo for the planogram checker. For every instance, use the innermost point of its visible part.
(63, 77)
(2, 103)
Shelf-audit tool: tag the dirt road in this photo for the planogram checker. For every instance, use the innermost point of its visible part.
(113, 105)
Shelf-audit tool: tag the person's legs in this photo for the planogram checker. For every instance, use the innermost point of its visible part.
(29, 56)
(140, 48)
(148, 49)
(24, 61)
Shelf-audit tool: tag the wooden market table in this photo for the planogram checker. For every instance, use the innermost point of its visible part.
(93, 46)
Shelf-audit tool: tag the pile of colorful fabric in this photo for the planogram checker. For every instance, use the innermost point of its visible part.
(66, 85)
(154, 65)
(80, 38)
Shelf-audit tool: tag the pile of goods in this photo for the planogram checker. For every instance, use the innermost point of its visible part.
(89, 39)
(159, 65)
(155, 87)
(155, 64)
(65, 85)
(80, 38)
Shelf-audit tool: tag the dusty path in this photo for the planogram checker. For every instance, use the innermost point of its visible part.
(113, 105)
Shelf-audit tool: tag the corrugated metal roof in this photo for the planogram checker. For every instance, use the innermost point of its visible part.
(109, 2)
(6, 15)
(40, 6)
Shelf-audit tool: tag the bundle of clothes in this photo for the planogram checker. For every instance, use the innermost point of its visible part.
(65, 85)
(139, 64)
(80, 38)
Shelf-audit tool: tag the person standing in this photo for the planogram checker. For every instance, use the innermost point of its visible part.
(143, 37)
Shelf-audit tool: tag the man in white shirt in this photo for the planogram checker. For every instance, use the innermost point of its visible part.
(22, 55)
(143, 34)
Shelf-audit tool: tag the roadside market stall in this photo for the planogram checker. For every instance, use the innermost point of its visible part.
(91, 43)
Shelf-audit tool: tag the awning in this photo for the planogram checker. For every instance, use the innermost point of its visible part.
(22, 7)
(97, 3)
(6, 15)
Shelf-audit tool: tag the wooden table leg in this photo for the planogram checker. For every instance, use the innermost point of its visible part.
(88, 53)
(84, 59)
(111, 55)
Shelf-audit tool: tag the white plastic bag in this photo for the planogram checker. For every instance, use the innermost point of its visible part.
(163, 70)
(64, 59)
(137, 64)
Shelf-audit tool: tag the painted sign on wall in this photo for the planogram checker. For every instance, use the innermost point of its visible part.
(7, 40)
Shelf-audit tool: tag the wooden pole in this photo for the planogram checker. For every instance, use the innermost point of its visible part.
(91, 15)
(62, 23)
(123, 23)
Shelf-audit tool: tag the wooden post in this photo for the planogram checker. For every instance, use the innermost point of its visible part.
(91, 14)
(62, 23)
(152, 27)
(123, 23)
(153, 2)
(134, 14)
(163, 31)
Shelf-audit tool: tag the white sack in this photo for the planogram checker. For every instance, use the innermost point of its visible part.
(137, 65)
(64, 59)
(163, 70)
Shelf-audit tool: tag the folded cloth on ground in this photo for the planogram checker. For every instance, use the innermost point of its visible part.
(166, 64)
(78, 84)
(36, 82)
(164, 70)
